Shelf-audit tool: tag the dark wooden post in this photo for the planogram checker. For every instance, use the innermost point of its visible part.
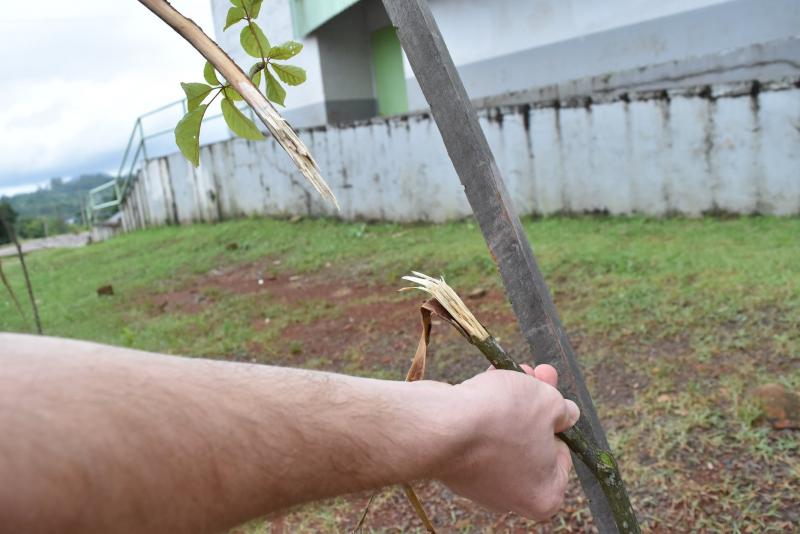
(495, 213)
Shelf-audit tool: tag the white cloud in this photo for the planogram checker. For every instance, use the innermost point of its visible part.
(75, 77)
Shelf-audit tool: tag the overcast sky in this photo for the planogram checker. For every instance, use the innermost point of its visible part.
(75, 75)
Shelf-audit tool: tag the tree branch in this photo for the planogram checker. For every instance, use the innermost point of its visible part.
(448, 305)
(277, 125)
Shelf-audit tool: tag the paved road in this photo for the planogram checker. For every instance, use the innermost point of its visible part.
(57, 241)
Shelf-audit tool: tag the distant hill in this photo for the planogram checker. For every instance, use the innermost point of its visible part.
(59, 200)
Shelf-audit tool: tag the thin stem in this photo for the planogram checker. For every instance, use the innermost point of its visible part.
(415, 502)
(250, 25)
(222, 88)
(261, 65)
(11, 232)
(264, 59)
(10, 291)
(360, 523)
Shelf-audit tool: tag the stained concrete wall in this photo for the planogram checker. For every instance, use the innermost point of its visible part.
(723, 148)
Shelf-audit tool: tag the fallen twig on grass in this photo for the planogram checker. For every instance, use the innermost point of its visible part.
(448, 305)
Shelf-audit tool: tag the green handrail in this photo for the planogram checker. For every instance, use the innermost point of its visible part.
(123, 181)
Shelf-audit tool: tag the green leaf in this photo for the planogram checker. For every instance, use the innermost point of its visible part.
(257, 67)
(256, 78)
(285, 50)
(235, 14)
(231, 93)
(237, 3)
(254, 41)
(238, 122)
(253, 7)
(187, 134)
(210, 75)
(195, 93)
(275, 90)
(289, 73)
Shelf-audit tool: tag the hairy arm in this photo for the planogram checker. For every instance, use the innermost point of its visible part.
(98, 438)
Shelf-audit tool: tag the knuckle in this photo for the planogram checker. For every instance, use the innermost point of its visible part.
(554, 396)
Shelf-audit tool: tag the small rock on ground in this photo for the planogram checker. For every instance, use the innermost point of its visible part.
(779, 406)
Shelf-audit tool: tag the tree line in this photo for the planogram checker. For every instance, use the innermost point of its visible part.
(50, 210)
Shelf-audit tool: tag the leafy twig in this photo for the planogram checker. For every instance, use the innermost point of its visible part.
(187, 132)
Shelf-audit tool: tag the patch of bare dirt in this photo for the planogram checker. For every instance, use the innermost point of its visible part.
(199, 292)
(372, 329)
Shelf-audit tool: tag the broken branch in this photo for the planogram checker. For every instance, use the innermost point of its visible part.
(277, 125)
(601, 462)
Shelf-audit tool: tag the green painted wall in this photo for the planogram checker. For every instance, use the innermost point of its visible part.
(390, 80)
(308, 15)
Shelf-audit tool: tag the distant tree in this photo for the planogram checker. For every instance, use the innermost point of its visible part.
(56, 226)
(7, 214)
(60, 200)
(30, 228)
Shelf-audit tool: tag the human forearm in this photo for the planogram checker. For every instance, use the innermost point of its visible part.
(157, 443)
(101, 439)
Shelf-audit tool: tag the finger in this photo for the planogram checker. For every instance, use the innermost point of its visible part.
(491, 368)
(527, 368)
(567, 417)
(546, 373)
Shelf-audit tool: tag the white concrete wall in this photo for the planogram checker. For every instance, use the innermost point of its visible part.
(479, 30)
(507, 46)
(728, 148)
(515, 45)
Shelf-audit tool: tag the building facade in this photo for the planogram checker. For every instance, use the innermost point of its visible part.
(505, 49)
(683, 107)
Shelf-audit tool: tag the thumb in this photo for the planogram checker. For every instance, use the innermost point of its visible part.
(567, 417)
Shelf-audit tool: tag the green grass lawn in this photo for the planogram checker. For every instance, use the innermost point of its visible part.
(673, 320)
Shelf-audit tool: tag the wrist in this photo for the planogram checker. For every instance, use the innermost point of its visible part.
(452, 423)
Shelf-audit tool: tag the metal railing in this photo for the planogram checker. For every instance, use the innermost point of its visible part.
(135, 153)
(111, 194)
